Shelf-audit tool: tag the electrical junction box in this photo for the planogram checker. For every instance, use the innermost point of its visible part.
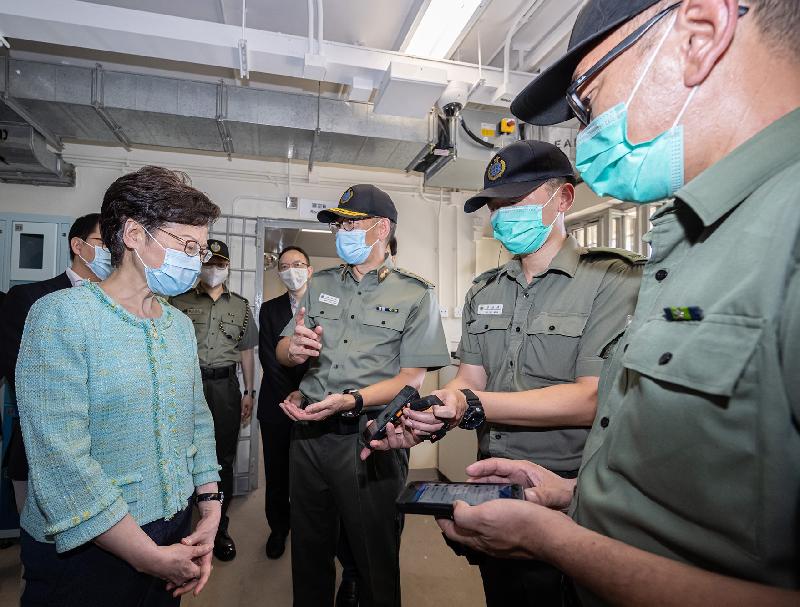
(409, 90)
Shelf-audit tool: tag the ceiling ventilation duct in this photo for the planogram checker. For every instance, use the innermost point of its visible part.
(25, 158)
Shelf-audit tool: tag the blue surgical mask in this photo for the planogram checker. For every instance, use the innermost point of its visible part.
(176, 275)
(101, 264)
(521, 229)
(352, 246)
(635, 172)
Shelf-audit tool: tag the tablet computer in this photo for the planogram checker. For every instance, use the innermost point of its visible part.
(436, 498)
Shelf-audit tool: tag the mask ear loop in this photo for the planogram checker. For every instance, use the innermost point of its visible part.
(652, 58)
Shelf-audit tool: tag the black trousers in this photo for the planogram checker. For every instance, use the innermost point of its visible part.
(276, 437)
(88, 576)
(522, 583)
(332, 487)
(225, 402)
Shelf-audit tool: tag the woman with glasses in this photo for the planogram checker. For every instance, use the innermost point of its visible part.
(118, 434)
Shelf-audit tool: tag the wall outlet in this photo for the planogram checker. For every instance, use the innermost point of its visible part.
(443, 311)
(458, 312)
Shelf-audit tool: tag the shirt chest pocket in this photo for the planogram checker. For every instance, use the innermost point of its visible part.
(694, 398)
(329, 318)
(381, 331)
(491, 333)
(196, 315)
(551, 348)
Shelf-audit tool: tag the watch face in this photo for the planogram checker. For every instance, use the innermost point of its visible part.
(473, 418)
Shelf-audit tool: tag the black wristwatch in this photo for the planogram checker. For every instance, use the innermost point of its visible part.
(209, 497)
(250, 392)
(474, 416)
(355, 411)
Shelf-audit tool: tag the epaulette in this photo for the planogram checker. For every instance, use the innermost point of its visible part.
(624, 254)
(487, 275)
(239, 296)
(425, 282)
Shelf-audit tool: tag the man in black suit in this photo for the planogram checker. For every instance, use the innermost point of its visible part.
(277, 382)
(84, 237)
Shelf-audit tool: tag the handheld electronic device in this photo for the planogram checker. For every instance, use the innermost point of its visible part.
(391, 413)
(424, 497)
(423, 404)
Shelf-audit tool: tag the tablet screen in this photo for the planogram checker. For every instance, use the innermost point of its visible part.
(471, 493)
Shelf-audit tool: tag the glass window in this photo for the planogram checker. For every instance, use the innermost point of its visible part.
(31, 251)
(591, 235)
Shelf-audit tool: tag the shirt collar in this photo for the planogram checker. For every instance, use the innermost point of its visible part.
(200, 289)
(565, 261)
(722, 186)
(74, 278)
(381, 271)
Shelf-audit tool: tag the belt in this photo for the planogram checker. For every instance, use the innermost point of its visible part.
(217, 372)
(343, 426)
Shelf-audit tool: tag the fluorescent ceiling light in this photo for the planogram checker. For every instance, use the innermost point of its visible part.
(440, 26)
(315, 231)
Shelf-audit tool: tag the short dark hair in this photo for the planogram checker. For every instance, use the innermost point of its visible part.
(557, 182)
(82, 227)
(298, 249)
(393, 246)
(151, 196)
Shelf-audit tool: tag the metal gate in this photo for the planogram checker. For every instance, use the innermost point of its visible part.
(246, 246)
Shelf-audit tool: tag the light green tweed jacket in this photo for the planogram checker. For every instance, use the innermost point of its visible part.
(113, 416)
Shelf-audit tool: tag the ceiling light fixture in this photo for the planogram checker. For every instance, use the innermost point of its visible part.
(440, 27)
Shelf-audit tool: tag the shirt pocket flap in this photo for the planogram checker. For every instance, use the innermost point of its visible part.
(481, 325)
(385, 320)
(321, 311)
(708, 356)
(549, 323)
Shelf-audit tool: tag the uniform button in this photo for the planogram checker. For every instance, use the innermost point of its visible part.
(665, 358)
(661, 275)
(525, 294)
(345, 341)
(359, 292)
(510, 363)
(551, 328)
(604, 422)
(625, 348)
(352, 316)
(518, 329)
(322, 311)
(335, 366)
(498, 436)
(485, 326)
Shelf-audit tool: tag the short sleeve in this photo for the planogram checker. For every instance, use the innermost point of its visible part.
(789, 340)
(469, 349)
(614, 303)
(423, 344)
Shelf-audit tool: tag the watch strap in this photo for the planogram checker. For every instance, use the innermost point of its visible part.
(359, 406)
(209, 497)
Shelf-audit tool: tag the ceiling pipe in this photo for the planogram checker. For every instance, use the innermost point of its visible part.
(320, 24)
(311, 27)
(522, 17)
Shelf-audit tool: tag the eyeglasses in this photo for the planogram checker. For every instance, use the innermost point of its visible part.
(348, 225)
(191, 247)
(297, 264)
(580, 107)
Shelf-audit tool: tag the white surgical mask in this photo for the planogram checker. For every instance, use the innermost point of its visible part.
(294, 278)
(213, 276)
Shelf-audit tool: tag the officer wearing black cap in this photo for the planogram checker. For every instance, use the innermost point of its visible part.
(367, 329)
(532, 340)
(226, 335)
(689, 486)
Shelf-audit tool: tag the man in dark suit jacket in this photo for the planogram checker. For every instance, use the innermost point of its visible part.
(83, 236)
(294, 269)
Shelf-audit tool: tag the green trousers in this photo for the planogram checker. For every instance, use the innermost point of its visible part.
(330, 485)
(225, 402)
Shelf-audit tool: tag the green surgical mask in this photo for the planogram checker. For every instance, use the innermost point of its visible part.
(521, 229)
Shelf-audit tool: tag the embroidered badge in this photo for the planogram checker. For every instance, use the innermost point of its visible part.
(215, 247)
(346, 197)
(496, 168)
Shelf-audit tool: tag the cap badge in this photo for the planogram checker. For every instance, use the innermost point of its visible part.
(214, 247)
(496, 169)
(346, 196)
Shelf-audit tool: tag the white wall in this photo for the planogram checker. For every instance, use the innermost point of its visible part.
(435, 237)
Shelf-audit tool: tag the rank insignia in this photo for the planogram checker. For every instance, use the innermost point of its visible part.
(496, 168)
(215, 247)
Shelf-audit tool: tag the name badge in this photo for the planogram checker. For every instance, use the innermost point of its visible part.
(494, 309)
(329, 299)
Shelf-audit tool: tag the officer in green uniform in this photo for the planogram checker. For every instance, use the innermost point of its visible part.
(689, 488)
(368, 329)
(226, 335)
(533, 333)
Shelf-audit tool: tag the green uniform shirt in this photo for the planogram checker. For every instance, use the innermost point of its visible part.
(223, 328)
(695, 451)
(545, 333)
(371, 329)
